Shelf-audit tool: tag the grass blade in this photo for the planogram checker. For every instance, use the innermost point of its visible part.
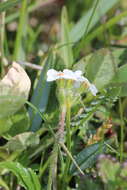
(79, 29)
(9, 4)
(66, 50)
(19, 51)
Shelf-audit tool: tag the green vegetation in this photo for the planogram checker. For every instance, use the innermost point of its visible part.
(63, 95)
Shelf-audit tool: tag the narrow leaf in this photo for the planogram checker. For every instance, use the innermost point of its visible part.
(79, 29)
(87, 157)
(41, 94)
(8, 4)
(27, 178)
(66, 50)
(20, 46)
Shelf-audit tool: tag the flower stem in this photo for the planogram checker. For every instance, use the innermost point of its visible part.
(68, 128)
(60, 137)
(68, 159)
(52, 181)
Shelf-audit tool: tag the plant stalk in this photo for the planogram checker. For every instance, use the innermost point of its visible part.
(68, 134)
(52, 181)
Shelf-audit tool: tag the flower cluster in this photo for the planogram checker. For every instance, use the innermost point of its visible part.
(67, 74)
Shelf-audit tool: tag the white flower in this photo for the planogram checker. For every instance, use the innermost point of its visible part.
(68, 74)
(53, 75)
(93, 89)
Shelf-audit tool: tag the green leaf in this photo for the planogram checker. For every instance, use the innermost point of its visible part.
(22, 141)
(20, 122)
(5, 125)
(121, 75)
(9, 4)
(9, 105)
(15, 124)
(27, 178)
(87, 157)
(66, 50)
(82, 63)
(120, 80)
(20, 44)
(41, 94)
(100, 68)
(79, 29)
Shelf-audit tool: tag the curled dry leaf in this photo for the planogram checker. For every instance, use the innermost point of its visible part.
(14, 90)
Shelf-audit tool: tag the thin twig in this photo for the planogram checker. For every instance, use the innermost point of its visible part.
(71, 157)
(31, 65)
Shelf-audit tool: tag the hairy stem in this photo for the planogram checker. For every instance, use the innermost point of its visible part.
(68, 160)
(52, 181)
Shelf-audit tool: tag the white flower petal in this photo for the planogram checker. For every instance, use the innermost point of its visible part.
(52, 75)
(68, 74)
(52, 72)
(67, 71)
(83, 79)
(93, 89)
(78, 73)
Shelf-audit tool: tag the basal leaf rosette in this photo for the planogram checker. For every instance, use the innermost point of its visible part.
(14, 90)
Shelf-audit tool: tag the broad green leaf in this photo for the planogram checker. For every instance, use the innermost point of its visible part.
(22, 141)
(10, 104)
(66, 50)
(20, 122)
(27, 178)
(82, 63)
(87, 157)
(14, 90)
(5, 125)
(123, 91)
(8, 4)
(15, 124)
(79, 29)
(100, 68)
(121, 75)
(120, 80)
(41, 94)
